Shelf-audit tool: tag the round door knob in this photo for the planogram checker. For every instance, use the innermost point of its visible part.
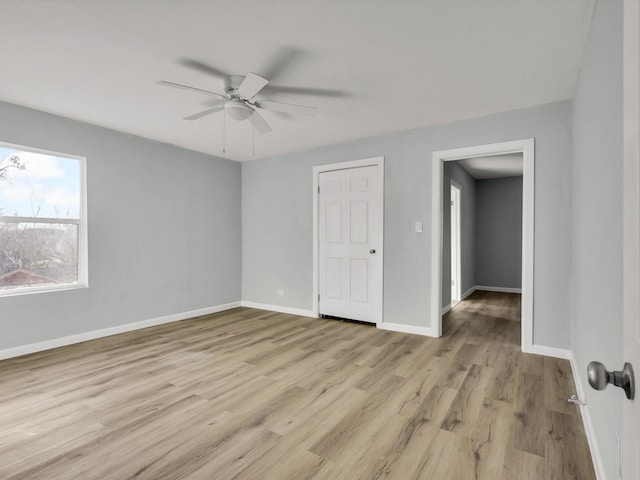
(372, 251)
(600, 377)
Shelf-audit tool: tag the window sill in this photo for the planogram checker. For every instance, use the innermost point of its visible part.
(44, 289)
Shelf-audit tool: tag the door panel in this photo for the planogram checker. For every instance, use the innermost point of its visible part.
(359, 222)
(359, 184)
(631, 235)
(348, 266)
(334, 278)
(359, 276)
(334, 222)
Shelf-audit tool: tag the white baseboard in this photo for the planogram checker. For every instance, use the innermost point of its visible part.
(549, 351)
(277, 308)
(598, 464)
(106, 332)
(498, 289)
(566, 354)
(468, 292)
(402, 328)
(445, 309)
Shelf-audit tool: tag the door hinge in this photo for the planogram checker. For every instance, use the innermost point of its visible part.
(452, 202)
(318, 189)
(318, 297)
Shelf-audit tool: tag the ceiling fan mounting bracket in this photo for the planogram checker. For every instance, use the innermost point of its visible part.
(232, 83)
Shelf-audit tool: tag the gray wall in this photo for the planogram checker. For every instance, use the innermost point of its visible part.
(453, 171)
(277, 215)
(596, 324)
(164, 231)
(498, 253)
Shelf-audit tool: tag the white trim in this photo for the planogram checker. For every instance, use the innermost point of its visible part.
(399, 327)
(61, 221)
(498, 289)
(106, 332)
(596, 456)
(277, 308)
(548, 351)
(83, 228)
(61, 287)
(527, 148)
(436, 246)
(446, 309)
(379, 235)
(41, 151)
(468, 292)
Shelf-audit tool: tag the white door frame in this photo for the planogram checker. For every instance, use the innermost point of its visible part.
(378, 235)
(630, 461)
(458, 250)
(526, 147)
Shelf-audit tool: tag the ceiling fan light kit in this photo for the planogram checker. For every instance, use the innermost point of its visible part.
(238, 110)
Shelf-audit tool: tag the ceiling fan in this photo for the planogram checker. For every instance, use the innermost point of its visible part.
(239, 98)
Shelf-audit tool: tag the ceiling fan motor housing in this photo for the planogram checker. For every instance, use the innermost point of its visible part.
(232, 82)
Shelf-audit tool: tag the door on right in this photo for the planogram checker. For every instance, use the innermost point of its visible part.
(631, 233)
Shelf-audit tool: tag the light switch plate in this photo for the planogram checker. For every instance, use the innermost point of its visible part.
(418, 227)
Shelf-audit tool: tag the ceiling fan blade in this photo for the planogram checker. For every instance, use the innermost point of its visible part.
(282, 59)
(204, 113)
(214, 102)
(203, 68)
(286, 107)
(259, 123)
(187, 87)
(317, 92)
(251, 85)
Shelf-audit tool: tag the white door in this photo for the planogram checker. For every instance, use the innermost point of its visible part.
(456, 292)
(348, 260)
(631, 235)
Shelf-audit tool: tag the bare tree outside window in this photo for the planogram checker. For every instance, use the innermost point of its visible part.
(12, 161)
(39, 219)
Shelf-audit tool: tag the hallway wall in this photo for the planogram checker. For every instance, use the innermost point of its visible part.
(453, 171)
(498, 239)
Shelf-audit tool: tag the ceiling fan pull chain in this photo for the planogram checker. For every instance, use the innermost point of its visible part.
(224, 131)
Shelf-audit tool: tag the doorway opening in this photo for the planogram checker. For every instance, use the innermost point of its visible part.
(526, 149)
(456, 294)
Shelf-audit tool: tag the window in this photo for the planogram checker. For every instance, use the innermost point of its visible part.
(43, 231)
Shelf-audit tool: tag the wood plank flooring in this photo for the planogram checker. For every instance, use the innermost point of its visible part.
(249, 394)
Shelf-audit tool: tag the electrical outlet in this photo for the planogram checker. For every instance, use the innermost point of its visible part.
(280, 292)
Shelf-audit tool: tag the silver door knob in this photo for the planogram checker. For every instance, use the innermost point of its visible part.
(372, 251)
(600, 377)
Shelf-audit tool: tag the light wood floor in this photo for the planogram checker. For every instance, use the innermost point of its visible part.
(248, 394)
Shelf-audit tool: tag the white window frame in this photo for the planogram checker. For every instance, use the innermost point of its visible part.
(81, 222)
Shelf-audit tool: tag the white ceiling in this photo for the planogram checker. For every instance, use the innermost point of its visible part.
(400, 64)
(493, 166)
